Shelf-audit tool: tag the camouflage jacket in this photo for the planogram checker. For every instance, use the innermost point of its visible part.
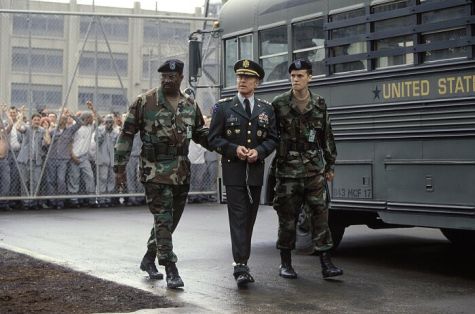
(165, 134)
(303, 138)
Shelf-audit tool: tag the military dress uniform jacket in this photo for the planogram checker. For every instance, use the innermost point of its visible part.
(231, 127)
(165, 134)
(301, 137)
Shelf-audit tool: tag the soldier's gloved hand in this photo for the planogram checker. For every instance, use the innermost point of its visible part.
(242, 152)
(252, 156)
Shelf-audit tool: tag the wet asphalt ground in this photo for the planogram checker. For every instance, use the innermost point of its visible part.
(412, 270)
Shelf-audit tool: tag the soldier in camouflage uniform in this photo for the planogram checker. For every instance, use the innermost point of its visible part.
(305, 158)
(167, 120)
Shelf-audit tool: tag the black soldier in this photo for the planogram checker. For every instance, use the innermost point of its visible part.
(167, 121)
(243, 131)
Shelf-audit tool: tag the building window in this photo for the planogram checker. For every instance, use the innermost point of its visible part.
(42, 60)
(273, 48)
(42, 96)
(115, 28)
(150, 65)
(108, 99)
(236, 48)
(41, 25)
(308, 42)
(162, 30)
(105, 64)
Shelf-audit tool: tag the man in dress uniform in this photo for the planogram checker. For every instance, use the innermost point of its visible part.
(167, 121)
(305, 158)
(243, 131)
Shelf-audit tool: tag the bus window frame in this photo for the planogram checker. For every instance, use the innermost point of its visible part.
(237, 38)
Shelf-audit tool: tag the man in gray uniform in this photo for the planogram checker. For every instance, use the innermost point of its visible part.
(106, 139)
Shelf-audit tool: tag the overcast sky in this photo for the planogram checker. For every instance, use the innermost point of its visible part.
(186, 6)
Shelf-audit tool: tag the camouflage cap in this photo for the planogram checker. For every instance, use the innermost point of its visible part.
(300, 64)
(249, 67)
(172, 65)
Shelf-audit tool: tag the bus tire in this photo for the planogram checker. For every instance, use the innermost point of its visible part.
(462, 238)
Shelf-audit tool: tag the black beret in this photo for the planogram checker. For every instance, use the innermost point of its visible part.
(172, 65)
(249, 67)
(300, 64)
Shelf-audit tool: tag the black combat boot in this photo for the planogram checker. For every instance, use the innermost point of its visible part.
(242, 275)
(328, 269)
(173, 278)
(148, 265)
(286, 270)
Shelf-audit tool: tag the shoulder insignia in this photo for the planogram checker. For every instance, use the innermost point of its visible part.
(264, 101)
(225, 99)
(321, 102)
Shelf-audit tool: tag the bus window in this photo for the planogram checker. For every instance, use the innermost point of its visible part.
(443, 54)
(308, 42)
(230, 47)
(236, 48)
(351, 48)
(273, 48)
(454, 34)
(394, 43)
(346, 50)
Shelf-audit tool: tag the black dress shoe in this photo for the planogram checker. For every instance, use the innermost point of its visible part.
(243, 279)
(287, 271)
(242, 275)
(149, 267)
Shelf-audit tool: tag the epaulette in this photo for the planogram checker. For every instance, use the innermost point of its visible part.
(264, 101)
(225, 99)
(189, 99)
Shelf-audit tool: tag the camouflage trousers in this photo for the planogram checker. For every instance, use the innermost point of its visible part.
(166, 203)
(293, 195)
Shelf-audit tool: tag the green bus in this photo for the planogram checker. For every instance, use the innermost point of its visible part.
(399, 79)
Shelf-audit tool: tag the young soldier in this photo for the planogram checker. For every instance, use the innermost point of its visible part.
(305, 158)
(167, 120)
(243, 131)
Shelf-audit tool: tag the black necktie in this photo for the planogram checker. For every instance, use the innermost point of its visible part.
(247, 104)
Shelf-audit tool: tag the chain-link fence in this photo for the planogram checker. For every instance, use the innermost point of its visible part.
(53, 152)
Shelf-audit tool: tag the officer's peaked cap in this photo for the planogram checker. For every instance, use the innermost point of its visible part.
(172, 65)
(249, 67)
(300, 64)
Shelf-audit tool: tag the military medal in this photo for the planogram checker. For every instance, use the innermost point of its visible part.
(189, 132)
(311, 136)
(229, 132)
(259, 133)
(237, 131)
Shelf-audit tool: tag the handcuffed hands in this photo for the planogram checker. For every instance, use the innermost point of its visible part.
(251, 155)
